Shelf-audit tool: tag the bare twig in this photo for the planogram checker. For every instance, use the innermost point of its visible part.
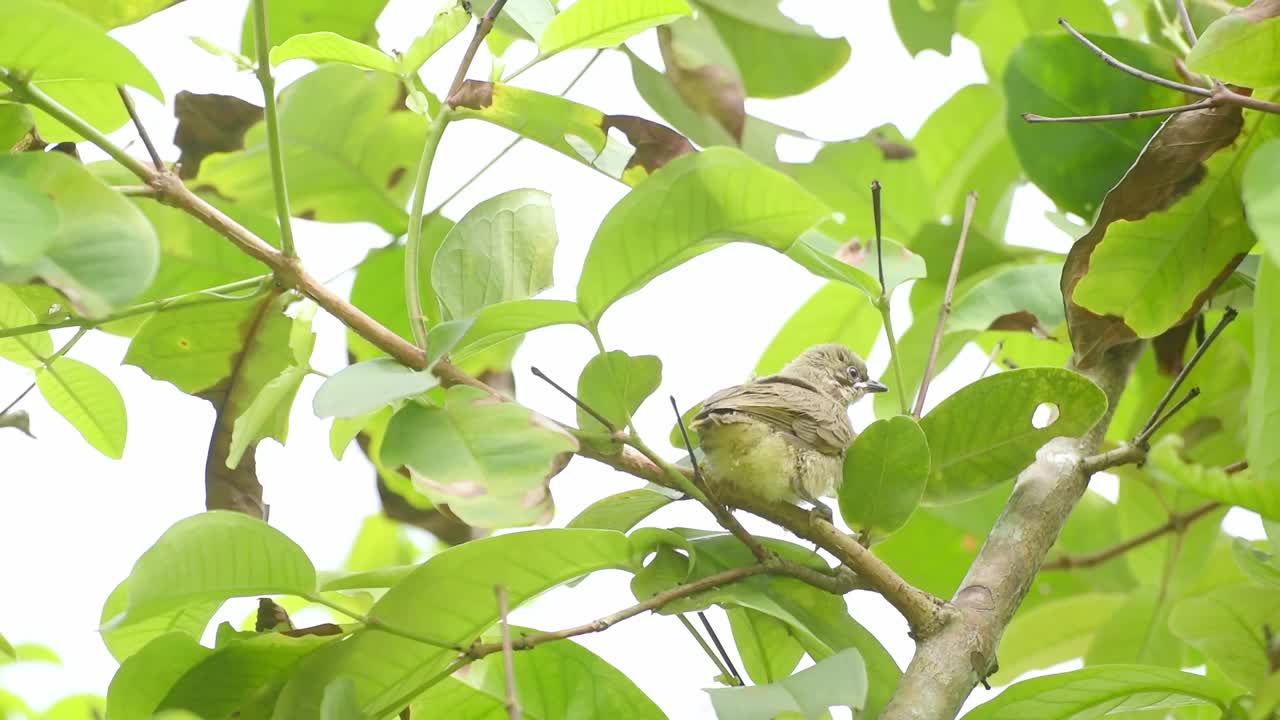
(1187, 27)
(17, 400)
(135, 190)
(576, 400)
(1144, 438)
(971, 200)
(1176, 523)
(1227, 316)
(262, 47)
(137, 124)
(482, 29)
(1126, 454)
(1235, 467)
(514, 712)
(882, 302)
(876, 215)
(720, 647)
(1136, 72)
(716, 659)
(991, 359)
(1134, 115)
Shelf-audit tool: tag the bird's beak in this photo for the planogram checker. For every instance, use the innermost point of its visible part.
(872, 386)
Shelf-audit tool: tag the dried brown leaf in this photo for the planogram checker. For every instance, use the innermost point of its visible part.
(209, 124)
(709, 88)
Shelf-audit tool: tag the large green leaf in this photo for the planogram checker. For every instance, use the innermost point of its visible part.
(885, 473)
(1105, 689)
(614, 384)
(998, 26)
(605, 23)
(1264, 396)
(775, 55)
(1227, 625)
(16, 122)
(1240, 48)
(1254, 488)
(1152, 272)
(114, 13)
(324, 47)
(692, 205)
(286, 18)
(768, 650)
(26, 350)
(143, 679)
(624, 510)
(503, 321)
(52, 41)
(364, 387)
(103, 252)
(624, 147)
(840, 680)
(502, 249)
(125, 637)
(1088, 158)
(28, 224)
(925, 25)
(488, 460)
(358, 170)
(214, 556)
(983, 435)
(836, 313)
(451, 598)
(1260, 191)
(88, 400)
(1054, 632)
(1013, 297)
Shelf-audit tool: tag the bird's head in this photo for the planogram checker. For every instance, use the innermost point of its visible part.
(835, 370)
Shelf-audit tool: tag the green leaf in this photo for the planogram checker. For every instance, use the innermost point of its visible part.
(624, 147)
(855, 264)
(123, 637)
(26, 350)
(1013, 297)
(885, 472)
(286, 18)
(267, 416)
(144, 678)
(1258, 566)
(340, 701)
(689, 207)
(983, 434)
(502, 249)
(998, 26)
(775, 55)
(488, 460)
(78, 707)
(925, 25)
(357, 170)
(1101, 690)
(362, 388)
(1237, 46)
(614, 384)
(6, 650)
(502, 321)
(115, 13)
(1264, 396)
(1054, 632)
(450, 598)
(88, 400)
(1260, 191)
(52, 41)
(103, 253)
(15, 122)
(525, 19)
(768, 650)
(605, 23)
(1252, 488)
(838, 680)
(836, 313)
(28, 222)
(444, 27)
(324, 47)
(381, 542)
(624, 510)
(214, 556)
(1227, 625)
(1153, 286)
(1088, 158)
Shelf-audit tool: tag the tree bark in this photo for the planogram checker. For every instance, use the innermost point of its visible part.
(947, 665)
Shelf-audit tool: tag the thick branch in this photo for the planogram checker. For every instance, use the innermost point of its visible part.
(948, 665)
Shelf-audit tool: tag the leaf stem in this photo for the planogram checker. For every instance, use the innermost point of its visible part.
(514, 711)
(1227, 316)
(142, 131)
(376, 624)
(413, 242)
(263, 50)
(706, 649)
(970, 202)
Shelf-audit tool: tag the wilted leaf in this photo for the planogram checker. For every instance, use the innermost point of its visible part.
(209, 123)
(703, 73)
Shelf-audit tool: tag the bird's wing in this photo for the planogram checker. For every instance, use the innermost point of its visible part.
(815, 419)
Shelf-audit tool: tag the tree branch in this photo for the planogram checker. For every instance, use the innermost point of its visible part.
(1134, 115)
(947, 665)
(482, 29)
(970, 201)
(137, 124)
(1187, 27)
(262, 47)
(1176, 523)
(514, 712)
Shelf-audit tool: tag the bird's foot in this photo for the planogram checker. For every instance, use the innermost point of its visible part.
(820, 510)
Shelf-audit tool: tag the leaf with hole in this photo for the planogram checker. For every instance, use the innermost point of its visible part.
(362, 388)
(984, 434)
(840, 680)
(885, 472)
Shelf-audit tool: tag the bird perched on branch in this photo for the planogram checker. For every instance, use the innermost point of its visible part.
(784, 436)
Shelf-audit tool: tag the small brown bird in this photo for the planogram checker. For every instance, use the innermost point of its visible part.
(784, 436)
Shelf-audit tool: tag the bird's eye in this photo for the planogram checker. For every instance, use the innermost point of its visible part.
(854, 374)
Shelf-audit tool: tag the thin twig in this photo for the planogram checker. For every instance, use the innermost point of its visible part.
(971, 200)
(17, 400)
(576, 401)
(1227, 316)
(1176, 523)
(137, 124)
(706, 649)
(1144, 438)
(1187, 27)
(875, 212)
(1125, 67)
(1225, 95)
(262, 47)
(719, 646)
(1134, 115)
(482, 29)
(514, 712)
(991, 359)
(882, 302)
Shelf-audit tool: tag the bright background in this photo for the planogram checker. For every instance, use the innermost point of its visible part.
(73, 522)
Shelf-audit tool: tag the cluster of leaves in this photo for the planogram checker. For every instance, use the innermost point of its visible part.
(1175, 219)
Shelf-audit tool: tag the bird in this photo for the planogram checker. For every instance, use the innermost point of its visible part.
(783, 437)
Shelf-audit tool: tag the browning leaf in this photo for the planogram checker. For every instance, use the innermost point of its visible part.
(271, 616)
(709, 88)
(1169, 167)
(655, 144)
(209, 124)
(1170, 346)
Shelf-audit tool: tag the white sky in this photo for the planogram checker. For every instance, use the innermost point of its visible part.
(74, 522)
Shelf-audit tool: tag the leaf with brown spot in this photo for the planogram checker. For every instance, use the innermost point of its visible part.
(1169, 167)
(209, 123)
(709, 87)
(397, 174)
(655, 144)
(891, 150)
(271, 616)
